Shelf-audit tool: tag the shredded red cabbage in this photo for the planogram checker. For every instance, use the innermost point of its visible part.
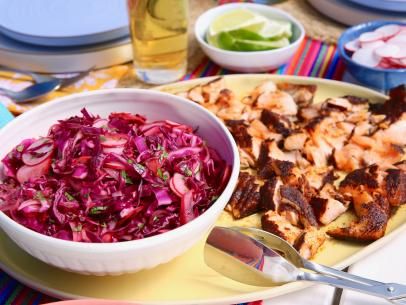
(111, 180)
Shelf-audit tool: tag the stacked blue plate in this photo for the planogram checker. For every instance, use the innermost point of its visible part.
(352, 12)
(63, 36)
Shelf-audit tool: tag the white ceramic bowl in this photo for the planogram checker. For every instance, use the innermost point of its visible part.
(131, 256)
(259, 61)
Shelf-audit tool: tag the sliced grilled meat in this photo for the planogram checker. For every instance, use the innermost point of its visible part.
(239, 130)
(309, 242)
(302, 94)
(245, 199)
(278, 225)
(395, 186)
(270, 194)
(277, 122)
(293, 197)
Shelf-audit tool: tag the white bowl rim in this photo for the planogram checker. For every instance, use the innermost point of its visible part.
(151, 241)
(248, 5)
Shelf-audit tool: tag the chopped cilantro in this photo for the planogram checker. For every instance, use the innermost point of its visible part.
(97, 210)
(103, 138)
(163, 175)
(129, 161)
(20, 148)
(39, 196)
(160, 147)
(126, 178)
(69, 196)
(78, 228)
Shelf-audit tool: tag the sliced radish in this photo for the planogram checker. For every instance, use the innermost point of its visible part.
(366, 57)
(100, 123)
(402, 50)
(372, 44)
(352, 45)
(186, 208)
(398, 38)
(27, 172)
(387, 50)
(38, 151)
(370, 36)
(389, 30)
(178, 185)
(113, 139)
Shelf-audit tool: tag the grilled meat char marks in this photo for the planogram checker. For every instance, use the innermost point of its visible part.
(295, 151)
(245, 199)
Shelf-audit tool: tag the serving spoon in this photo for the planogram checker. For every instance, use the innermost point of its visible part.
(256, 257)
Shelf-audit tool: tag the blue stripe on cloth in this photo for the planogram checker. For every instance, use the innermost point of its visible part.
(5, 115)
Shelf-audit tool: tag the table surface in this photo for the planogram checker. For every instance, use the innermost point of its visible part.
(316, 59)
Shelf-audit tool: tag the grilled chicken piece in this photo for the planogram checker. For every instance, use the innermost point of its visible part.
(295, 141)
(278, 123)
(228, 107)
(370, 205)
(395, 186)
(196, 94)
(302, 94)
(245, 199)
(246, 159)
(309, 113)
(290, 213)
(349, 158)
(309, 242)
(401, 165)
(277, 101)
(239, 130)
(212, 89)
(371, 224)
(294, 198)
(328, 205)
(326, 134)
(276, 153)
(273, 167)
(258, 130)
(278, 225)
(269, 193)
(265, 87)
(395, 106)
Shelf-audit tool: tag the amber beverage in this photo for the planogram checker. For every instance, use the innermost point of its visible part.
(159, 38)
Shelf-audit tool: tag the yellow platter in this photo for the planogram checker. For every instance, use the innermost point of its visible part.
(187, 280)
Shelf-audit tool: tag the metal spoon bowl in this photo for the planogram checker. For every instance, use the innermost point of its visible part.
(256, 257)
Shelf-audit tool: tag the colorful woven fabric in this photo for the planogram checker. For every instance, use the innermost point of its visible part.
(314, 58)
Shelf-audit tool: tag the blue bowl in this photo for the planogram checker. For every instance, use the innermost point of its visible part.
(377, 78)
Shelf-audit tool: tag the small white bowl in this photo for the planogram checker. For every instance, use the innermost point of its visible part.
(258, 61)
(130, 256)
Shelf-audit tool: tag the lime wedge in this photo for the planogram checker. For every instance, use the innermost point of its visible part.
(237, 19)
(253, 45)
(232, 42)
(273, 29)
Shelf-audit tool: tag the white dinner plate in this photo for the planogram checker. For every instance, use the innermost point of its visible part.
(63, 22)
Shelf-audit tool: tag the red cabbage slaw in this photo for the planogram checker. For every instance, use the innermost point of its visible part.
(110, 180)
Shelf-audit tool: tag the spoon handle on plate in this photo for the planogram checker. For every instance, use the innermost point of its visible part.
(393, 292)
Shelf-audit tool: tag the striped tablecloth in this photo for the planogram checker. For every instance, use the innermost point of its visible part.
(314, 58)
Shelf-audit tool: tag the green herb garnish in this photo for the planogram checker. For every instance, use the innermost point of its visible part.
(129, 161)
(97, 210)
(126, 178)
(187, 172)
(69, 196)
(39, 196)
(103, 138)
(78, 228)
